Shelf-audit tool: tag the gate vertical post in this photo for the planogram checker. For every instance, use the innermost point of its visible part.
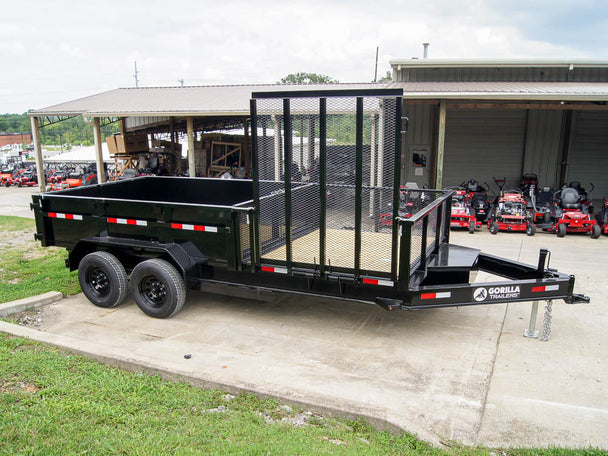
(358, 183)
(287, 159)
(322, 182)
(255, 242)
(396, 185)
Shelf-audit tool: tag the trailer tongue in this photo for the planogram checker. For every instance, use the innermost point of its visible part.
(326, 168)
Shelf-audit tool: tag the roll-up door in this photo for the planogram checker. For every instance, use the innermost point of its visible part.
(588, 155)
(482, 144)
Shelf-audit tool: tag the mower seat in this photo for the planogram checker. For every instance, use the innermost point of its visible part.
(570, 199)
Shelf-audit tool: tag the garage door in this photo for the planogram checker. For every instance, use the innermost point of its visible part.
(481, 144)
(588, 156)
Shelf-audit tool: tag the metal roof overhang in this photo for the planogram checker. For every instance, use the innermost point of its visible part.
(233, 101)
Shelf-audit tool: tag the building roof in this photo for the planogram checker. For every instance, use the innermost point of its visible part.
(234, 100)
(230, 100)
(505, 63)
(507, 90)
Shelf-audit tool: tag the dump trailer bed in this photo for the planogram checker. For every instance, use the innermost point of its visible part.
(325, 234)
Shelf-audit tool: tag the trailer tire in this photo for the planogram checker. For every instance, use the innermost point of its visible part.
(561, 230)
(157, 288)
(595, 232)
(103, 279)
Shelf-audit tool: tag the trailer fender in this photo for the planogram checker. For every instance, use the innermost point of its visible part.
(186, 257)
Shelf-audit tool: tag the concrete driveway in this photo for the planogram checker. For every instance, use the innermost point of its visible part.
(464, 374)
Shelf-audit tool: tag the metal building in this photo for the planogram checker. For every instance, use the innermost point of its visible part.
(479, 119)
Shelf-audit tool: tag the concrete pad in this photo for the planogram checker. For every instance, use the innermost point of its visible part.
(16, 201)
(464, 374)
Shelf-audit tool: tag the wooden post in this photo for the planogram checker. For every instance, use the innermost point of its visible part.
(191, 161)
(101, 173)
(440, 145)
(38, 151)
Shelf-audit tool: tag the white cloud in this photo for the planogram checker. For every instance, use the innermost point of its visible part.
(67, 49)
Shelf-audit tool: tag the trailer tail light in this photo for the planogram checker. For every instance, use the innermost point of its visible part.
(121, 221)
(64, 216)
(442, 295)
(184, 226)
(545, 288)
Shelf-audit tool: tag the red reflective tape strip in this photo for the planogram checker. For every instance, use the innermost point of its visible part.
(176, 226)
(59, 215)
(184, 226)
(381, 282)
(444, 294)
(121, 221)
(545, 288)
(276, 270)
(267, 269)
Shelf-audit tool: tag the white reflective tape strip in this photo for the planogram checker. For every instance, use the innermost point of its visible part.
(552, 288)
(275, 269)
(65, 216)
(445, 294)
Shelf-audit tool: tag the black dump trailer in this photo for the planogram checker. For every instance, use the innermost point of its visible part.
(323, 215)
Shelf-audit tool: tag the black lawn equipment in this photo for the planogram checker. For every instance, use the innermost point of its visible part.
(602, 217)
(478, 199)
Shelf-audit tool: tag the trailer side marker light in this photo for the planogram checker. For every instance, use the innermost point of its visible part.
(121, 221)
(274, 269)
(445, 294)
(65, 216)
(184, 226)
(384, 283)
(545, 288)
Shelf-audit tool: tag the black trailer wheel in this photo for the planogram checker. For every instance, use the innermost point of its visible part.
(531, 229)
(494, 228)
(103, 279)
(158, 289)
(472, 228)
(561, 230)
(595, 232)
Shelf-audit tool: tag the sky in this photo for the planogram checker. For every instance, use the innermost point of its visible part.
(60, 50)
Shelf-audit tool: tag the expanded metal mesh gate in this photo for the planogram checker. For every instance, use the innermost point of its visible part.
(326, 165)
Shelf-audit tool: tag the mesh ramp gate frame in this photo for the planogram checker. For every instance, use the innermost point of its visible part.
(326, 164)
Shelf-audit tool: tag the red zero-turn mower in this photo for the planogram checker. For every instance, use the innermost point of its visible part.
(571, 212)
(462, 215)
(602, 217)
(407, 204)
(509, 214)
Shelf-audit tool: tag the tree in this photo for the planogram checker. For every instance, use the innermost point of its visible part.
(307, 78)
(387, 78)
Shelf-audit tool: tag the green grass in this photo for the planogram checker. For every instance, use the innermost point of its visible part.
(56, 403)
(26, 269)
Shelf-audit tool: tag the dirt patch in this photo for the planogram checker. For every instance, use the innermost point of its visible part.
(31, 318)
(24, 387)
(15, 238)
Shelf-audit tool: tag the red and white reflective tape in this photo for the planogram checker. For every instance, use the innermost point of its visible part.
(121, 221)
(275, 269)
(65, 216)
(545, 288)
(184, 226)
(442, 295)
(381, 282)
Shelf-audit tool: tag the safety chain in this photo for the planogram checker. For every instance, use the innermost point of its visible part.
(547, 322)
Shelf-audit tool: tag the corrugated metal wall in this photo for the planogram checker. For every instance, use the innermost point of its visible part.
(544, 145)
(136, 122)
(538, 74)
(588, 154)
(482, 144)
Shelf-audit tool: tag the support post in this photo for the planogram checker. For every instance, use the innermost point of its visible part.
(531, 332)
(101, 172)
(191, 160)
(440, 145)
(38, 152)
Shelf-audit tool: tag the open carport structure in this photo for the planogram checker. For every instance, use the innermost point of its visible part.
(467, 119)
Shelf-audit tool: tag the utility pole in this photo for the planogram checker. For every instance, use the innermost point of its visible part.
(181, 81)
(135, 75)
(376, 68)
